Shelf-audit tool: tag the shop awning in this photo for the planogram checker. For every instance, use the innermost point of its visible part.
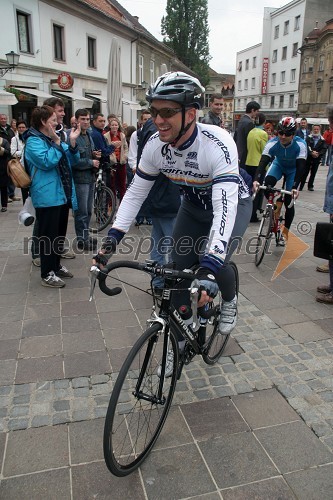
(40, 94)
(79, 100)
(7, 98)
(135, 106)
(97, 97)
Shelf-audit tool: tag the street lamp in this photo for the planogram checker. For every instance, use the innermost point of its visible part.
(12, 63)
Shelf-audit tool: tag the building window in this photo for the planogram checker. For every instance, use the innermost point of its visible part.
(207, 100)
(246, 84)
(318, 94)
(297, 24)
(238, 103)
(283, 77)
(284, 53)
(91, 52)
(240, 66)
(24, 32)
(253, 83)
(293, 75)
(311, 62)
(295, 49)
(274, 57)
(246, 64)
(273, 78)
(281, 103)
(141, 79)
(272, 101)
(152, 72)
(239, 84)
(321, 63)
(276, 32)
(291, 101)
(286, 28)
(254, 62)
(58, 40)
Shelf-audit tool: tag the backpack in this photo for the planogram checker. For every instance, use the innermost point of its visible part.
(144, 133)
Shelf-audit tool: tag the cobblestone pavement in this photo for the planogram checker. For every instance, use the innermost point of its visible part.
(60, 354)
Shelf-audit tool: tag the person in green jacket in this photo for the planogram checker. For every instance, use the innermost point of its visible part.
(256, 141)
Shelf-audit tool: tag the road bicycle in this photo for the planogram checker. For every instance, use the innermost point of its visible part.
(142, 395)
(104, 204)
(271, 222)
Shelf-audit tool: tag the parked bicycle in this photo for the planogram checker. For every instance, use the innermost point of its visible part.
(271, 222)
(104, 204)
(142, 395)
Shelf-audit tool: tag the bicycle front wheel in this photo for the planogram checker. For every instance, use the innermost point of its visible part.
(140, 402)
(104, 208)
(264, 235)
(216, 342)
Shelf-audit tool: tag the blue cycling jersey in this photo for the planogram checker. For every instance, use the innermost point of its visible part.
(286, 156)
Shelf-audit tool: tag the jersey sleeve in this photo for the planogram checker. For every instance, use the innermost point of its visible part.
(225, 188)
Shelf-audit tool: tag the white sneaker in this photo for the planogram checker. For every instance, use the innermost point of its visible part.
(168, 365)
(53, 281)
(228, 317)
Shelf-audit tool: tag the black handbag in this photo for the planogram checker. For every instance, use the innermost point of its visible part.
(323, 241)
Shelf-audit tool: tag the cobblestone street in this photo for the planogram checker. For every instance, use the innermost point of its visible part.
(258, 424)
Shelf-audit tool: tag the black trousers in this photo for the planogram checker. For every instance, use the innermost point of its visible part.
(50, 228)
(63, 223)
(312, 168)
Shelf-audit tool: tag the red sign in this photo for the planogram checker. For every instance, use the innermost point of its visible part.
(264, 75)
(65, 81)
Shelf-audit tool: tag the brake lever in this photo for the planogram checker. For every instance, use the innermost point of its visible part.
(94, 272)
(194, 296)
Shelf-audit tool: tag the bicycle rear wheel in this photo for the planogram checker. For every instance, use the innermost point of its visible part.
(264, 235)
(104, 208)
(140, 402)
(216, 342)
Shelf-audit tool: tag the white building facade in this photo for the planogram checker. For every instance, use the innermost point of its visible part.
(273, 80)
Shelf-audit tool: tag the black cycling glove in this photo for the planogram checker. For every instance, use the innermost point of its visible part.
(109, 245)
(207, 281)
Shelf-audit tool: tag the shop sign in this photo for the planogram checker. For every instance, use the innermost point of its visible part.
(264, 75)
(65, 81)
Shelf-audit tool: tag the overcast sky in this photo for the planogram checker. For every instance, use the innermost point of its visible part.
(234, 25)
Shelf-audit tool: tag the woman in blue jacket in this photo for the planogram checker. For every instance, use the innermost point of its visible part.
(48, 161)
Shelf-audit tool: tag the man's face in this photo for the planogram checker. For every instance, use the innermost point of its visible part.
(254, 113)
(145, 118)
(169, 128)
(3, 120)
(99, 122)
(216, 106)
(304, 124)
(285, 139)
(316, 130)
(60, 113)
(84, 122)
(21, 128)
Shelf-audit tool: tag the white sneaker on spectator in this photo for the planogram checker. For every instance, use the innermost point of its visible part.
(53, 281)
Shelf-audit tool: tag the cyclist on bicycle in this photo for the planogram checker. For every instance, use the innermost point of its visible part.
(287, 153)
(203, 160)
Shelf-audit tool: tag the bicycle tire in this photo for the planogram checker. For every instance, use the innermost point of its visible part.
(216, 342)
(104, 207)
(133, 424)
(265, 233)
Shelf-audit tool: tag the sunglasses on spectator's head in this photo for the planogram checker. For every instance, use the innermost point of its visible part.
(164, 112)
(287, 134)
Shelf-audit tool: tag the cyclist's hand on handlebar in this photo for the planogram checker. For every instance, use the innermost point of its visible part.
(105, 253)
(256, 185)
(208, 286)
(295, 193)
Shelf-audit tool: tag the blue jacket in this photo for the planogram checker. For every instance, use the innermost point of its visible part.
(328, 203)
(41, 158)
(101, 144)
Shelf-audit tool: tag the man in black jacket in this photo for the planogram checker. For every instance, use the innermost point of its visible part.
(7, 133)
(213, 116)
(245, 125)
(316, 151)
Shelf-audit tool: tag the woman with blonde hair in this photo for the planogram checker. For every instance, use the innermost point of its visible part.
(118, 158)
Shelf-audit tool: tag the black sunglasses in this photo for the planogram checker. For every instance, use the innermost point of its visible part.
(287, 134)
(164, 112)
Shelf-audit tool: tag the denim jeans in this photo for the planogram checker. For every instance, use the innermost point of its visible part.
(162, 243)
(82, 216)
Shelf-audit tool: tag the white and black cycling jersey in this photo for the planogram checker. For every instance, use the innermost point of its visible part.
(206, 167)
